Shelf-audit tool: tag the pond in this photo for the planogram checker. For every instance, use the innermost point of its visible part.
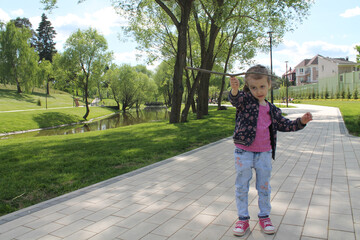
(113, 121)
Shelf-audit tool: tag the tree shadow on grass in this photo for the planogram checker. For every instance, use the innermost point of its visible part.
(12, 94)
(50, 119)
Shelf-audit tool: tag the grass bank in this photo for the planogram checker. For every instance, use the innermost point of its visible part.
(29, 115)
(350, 111)
(36, 169)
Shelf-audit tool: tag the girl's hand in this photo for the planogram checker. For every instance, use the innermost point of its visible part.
(307, 117)
(234, 83)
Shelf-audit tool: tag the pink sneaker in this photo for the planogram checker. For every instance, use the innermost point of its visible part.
(266, 225)
(241, 228)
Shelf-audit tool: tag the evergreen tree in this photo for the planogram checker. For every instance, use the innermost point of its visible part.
(46, 34)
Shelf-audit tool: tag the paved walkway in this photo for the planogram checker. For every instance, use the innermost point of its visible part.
(315, 194)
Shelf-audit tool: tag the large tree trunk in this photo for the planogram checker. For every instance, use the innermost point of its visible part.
(207, 61)
(17, 83)
(86, 98)
(178, 88)
(190, 99)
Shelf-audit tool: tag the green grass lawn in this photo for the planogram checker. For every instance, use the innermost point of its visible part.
(38, 116)
(36, 169)
(11, 100)
(350, 111)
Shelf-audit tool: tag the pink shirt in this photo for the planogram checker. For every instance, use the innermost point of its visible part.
(262, 141)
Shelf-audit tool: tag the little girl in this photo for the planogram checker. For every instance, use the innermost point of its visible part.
(257, 122)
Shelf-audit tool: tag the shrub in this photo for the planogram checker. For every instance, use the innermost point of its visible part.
(342, 94)
(356, 93)
(348, 93)
(38, 102)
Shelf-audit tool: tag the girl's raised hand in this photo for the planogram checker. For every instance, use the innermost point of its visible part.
(307, 117)
(234, 83)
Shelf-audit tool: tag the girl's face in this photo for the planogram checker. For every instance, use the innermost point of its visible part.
(259, 88)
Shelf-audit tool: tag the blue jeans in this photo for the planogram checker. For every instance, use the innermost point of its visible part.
(261, 162)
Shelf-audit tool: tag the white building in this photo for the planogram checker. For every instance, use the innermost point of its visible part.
(311, 70)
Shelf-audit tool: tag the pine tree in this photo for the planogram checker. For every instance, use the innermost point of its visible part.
(46, 35)
(45, 44)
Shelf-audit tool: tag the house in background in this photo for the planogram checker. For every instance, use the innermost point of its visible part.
(312, 70)
(307, 71)
(329, 67)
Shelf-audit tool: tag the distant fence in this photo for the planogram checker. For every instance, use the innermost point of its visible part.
(331, 86)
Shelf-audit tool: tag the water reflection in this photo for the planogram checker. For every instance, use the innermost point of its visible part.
(114, 121)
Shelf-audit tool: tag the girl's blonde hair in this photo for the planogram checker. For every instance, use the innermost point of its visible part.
(256, 72)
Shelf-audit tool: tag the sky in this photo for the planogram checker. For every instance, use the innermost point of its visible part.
(330, 30)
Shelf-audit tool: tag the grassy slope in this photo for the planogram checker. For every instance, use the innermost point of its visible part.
(39, 116)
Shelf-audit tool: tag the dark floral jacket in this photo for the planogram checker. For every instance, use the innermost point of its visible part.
(247, 112)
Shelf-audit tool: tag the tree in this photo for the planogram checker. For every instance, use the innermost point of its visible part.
(45, 44)
(45, 39)
(255, 17)
(87, 51)
(146, 91)
(178, 12)
(124, 85)
(162, 77)
(18, 58)
(25, 23)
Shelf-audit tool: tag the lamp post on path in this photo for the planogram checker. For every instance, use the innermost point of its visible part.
(271, 67)
(286, 82)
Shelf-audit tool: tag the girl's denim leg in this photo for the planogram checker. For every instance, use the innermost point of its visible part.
(243, 166)
(263, 167)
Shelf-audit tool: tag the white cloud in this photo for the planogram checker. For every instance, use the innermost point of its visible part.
(127, 57)
(4, 17)
(351, 12)
(104, 20)
(18, 12)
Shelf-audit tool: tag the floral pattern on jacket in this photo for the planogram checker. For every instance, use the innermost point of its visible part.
(247, 112)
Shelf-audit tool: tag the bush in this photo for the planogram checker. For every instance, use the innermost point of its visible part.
(355, 93)
(342, 94)
(39, 102)
(348, 93)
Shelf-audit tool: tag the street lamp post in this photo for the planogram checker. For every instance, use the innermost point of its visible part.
(286, 82)
(271, 67)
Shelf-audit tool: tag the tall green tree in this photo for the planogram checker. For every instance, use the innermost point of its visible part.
(178, 13)
(146, 91)
(87, 52)
(124, 85)
(45, 39)
(162, 78)
(25, 23)
(18, 58)
(45, 44)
